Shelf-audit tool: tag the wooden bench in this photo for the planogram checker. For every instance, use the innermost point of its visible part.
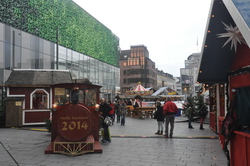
(130, 110)
(145, 111)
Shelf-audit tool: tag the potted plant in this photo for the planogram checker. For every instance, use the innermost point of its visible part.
(48, 125)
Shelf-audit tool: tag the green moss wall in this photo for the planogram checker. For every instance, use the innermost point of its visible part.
(79, 31)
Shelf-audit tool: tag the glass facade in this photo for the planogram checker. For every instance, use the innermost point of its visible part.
(77, 29)
(21, 50)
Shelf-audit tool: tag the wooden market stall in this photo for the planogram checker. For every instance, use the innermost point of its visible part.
(29, 95)
(224, 71)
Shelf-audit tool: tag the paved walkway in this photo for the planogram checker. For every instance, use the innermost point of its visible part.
(134, 144)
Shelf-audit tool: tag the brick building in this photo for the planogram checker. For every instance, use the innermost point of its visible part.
(135, 66)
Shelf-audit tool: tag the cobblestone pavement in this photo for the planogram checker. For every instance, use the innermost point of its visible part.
(134, 144)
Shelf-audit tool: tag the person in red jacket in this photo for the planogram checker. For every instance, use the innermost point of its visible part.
(112, 112)
(169, 110)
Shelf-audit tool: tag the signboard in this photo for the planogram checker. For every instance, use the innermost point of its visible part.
(74, 122)
(18, 103)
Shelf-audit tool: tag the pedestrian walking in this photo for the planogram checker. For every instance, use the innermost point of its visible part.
(190, 113)
(169, 110)
(112, 112)
(123, 110)
(158, 115)
(104, 111)
(202, 113)
(118, 112)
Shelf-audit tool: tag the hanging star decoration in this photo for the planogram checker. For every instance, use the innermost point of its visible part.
(234, 36)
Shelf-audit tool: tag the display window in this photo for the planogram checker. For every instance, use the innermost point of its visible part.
(40, 99)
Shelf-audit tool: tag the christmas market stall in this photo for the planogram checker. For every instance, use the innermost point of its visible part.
(29, 95)
(225, 72)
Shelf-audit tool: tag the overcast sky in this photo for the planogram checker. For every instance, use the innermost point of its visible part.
(170, 29)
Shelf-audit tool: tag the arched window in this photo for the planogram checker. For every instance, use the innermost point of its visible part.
(39, 99)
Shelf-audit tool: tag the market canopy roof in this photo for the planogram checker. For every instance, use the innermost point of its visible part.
(165, 91)
(218, 50)
(139, 88)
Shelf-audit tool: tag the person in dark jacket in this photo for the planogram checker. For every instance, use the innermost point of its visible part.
(118, 112)
(190, 113)
(135, 105)
(123, 110)
(159, 117)
(104, 111)
(203, 113)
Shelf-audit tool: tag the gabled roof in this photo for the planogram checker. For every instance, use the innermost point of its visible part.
(216, 57)
(38, 77)
(139, 88)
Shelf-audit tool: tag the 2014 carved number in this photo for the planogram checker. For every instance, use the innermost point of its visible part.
(75, 125)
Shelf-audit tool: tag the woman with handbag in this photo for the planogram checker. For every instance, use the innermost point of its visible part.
(104, 112)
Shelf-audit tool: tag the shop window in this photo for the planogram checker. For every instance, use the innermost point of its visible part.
(84, 96)
(62, 96)
(243, 107)
(81, 96)
(40, 99)
(90, 97)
